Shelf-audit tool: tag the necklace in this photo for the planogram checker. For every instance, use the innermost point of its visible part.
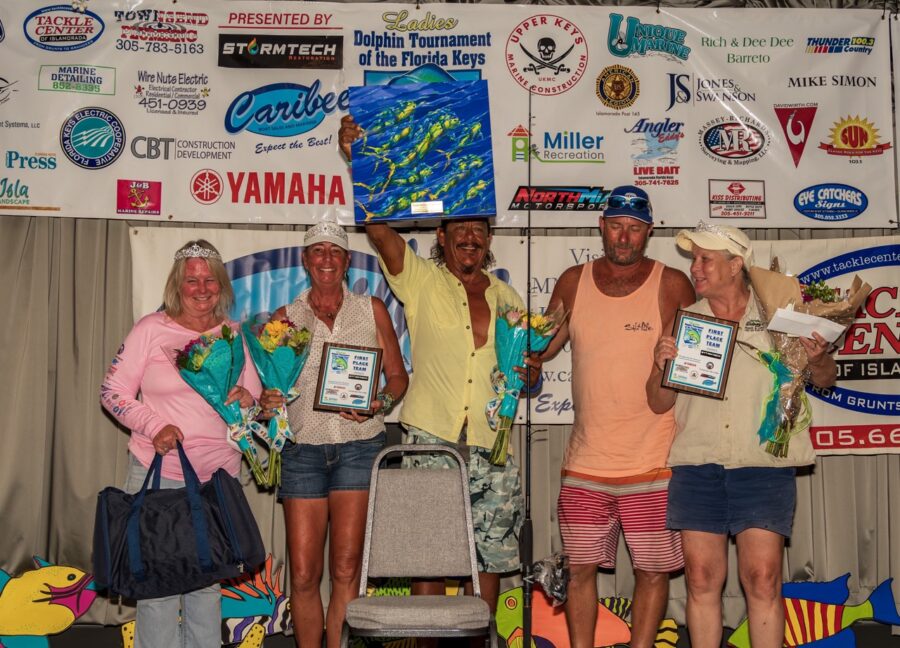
(323, 314)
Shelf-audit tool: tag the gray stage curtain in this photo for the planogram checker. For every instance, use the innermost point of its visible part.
(67, 290)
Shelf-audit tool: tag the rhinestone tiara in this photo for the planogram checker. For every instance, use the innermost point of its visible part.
(326, 231)
(197, 252)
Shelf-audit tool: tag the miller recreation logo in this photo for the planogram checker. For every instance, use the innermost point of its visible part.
(546, 54)
(796, 122)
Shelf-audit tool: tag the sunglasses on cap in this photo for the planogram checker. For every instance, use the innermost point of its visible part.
(635, 202)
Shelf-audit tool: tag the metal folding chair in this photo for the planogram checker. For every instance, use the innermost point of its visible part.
(419, 525)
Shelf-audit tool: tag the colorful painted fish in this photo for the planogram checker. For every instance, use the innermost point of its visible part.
(816, 615)
(41, 602)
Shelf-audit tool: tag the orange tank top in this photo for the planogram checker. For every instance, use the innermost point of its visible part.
(615, 432)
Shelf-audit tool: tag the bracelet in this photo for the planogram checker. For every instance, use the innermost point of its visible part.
(531, 391)
(387, 401)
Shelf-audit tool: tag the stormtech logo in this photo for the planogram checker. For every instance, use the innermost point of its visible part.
(277, 51)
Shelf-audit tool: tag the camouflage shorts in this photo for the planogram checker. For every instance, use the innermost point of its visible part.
(497, 503)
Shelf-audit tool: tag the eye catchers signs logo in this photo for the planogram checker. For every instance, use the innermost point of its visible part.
(831, 202)
(92, 138)
(855, 137)
(155, 31)
(282, 109)
(840, 45)
(559, 198)
(559, 147)
(170, 93)
(269, 188)
(617, 87)
(796, 122)
(84, 79)
(275, 51)
(640, 39)
(60, 28)
(734, 140)
(546, 54)
(656, 142)
(138, 197)
(737, 199)
(868, 355)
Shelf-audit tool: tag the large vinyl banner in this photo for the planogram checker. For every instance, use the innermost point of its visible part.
(859, 415)
(228, 111)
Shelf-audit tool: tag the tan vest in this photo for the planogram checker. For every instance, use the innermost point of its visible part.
(355, 324)
(615, 432)
(724, 432)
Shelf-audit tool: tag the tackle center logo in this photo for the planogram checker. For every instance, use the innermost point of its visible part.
(283, 109)
(559, 198)
(737, 198)
(276, 51)
(734, 140)
(7, 88)
(140, 197)
(640, 39)
(92, 138)
(840, 45)
(546, 54)
(617, 87)
(831, 202)
(656, 142)
(854, 137)
(60, 28)
(268, 188)
(560, 147)
(85, 79)
(796, 122)
(170, 93)
(157, 26)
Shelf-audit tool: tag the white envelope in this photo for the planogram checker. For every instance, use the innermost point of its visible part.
(794, 323)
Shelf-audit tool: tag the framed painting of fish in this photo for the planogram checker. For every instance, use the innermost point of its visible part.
(425, 152)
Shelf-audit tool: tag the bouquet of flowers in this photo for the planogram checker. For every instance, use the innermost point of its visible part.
(211, 365)
(513, 330)
(279, 349)
(786, 411)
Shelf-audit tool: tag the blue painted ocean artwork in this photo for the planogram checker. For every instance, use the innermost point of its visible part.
(425, 151)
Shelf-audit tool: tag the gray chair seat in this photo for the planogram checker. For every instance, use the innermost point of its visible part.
(418, 613)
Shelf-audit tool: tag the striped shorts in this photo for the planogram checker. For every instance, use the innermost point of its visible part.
(592, 511)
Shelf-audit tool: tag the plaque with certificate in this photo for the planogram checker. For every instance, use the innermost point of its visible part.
(348, 378)
(705, 346)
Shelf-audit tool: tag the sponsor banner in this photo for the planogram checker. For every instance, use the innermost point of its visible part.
(582, 98)
(861, 414)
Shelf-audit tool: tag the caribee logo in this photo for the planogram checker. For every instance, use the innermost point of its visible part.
(282, 109)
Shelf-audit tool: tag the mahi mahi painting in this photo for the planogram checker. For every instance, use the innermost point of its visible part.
(425, 151)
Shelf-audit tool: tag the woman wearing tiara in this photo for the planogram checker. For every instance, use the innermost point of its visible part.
(325, 474)
(143, 391)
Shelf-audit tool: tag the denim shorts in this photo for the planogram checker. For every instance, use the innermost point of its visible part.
(714, 499)
(312, 471)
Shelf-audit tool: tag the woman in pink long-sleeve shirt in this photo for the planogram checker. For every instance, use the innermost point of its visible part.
(144, 392)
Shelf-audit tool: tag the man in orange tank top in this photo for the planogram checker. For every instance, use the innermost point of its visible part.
(614, 473)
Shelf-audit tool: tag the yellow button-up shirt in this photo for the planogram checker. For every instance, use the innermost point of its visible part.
(451, 379)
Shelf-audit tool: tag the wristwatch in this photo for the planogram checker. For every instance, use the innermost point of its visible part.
(387, 401)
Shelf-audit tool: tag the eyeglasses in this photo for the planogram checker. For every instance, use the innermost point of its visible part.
(635, 202)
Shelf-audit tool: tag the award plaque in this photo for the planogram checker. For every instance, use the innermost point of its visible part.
(348, 378)
(705, 347)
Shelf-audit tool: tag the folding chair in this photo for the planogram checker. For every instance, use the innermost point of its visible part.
(419, 525)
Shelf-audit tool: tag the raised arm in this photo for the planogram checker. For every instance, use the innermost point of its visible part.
(389, 244)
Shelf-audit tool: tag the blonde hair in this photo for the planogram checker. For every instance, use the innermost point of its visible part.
(172, 293)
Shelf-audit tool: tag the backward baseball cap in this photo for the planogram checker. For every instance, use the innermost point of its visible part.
(631, 201)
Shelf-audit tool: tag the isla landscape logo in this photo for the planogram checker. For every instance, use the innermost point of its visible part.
(92, 138)
(546, 54)
(618, 87)
(796, 122)
(855, 137)
(831, 202)
(639, 39)
(60, 28)
(734, 140)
